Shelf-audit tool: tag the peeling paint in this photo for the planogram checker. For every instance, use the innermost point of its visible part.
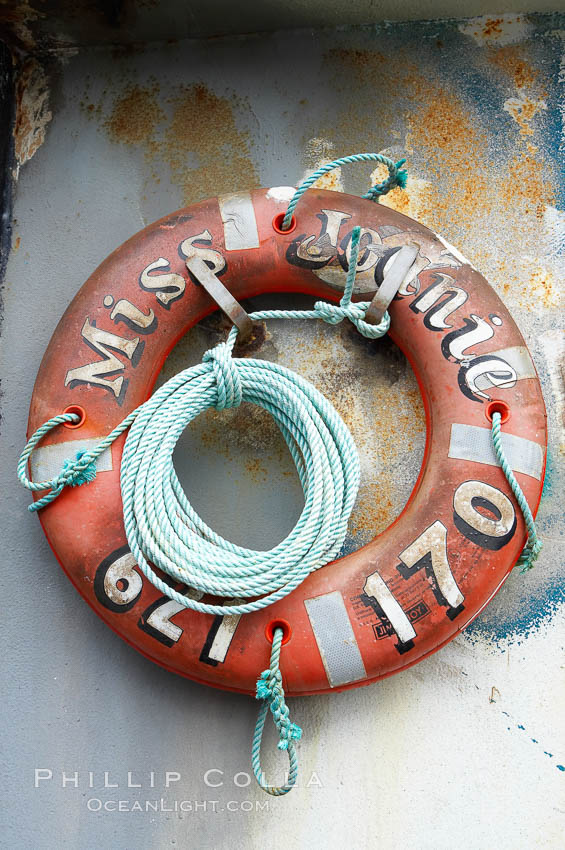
(32, 111)
(320, 152)
(523, 110)
(497, 30)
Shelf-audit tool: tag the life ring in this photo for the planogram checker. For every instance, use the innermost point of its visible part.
(414, 587)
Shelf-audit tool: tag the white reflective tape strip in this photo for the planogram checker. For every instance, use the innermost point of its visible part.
(469, 442)
(336, 642)
(240, 224)
(519, 358)
(47, 461)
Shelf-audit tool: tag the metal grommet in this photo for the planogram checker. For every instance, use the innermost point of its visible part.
(78, 411)
(497, 407)
(277, 223)
(278, 624)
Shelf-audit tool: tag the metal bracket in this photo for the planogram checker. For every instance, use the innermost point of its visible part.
(222, 296)
(401, 265)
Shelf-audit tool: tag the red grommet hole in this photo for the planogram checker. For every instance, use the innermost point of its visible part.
(277, 224)
(497, 407)
(79, 411)
(278, 624)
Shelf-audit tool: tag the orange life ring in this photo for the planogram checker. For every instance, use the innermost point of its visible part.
(410, 590)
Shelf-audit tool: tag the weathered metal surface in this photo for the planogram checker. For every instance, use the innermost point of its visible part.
(470, 742)
(46, 25)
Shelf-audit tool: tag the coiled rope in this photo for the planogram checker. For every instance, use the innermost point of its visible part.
(163, 529)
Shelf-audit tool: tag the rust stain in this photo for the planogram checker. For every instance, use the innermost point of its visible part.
(457, 184)
(523, 110)
(496, 31)
(492, 27)
(256, 470)
(135, 116)
(32, 111)
(15, 18)
(443, 132)
(194, 131)
(203, 127)
(512, 60)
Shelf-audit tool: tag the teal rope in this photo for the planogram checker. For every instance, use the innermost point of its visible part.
(163, 529)
(397, 176)
(533, 544)
(75, 472)
(270, 690)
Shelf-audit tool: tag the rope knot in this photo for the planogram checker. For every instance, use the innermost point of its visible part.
(269, 688)
(333, 314)
(530, 555)
(228, 382)
(74, 473)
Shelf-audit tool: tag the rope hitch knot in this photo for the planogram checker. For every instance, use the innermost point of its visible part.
(333, 314)
(226, 373)
(74, 474)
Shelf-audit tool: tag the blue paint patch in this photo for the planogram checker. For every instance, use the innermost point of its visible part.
(533, 740)
(535, 605)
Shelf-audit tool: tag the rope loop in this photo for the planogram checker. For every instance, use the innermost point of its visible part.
(533, 545)
(397, 176)
(270, 690)
(333, 314)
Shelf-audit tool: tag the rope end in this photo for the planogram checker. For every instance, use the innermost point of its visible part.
(401, 178)
(84, 476)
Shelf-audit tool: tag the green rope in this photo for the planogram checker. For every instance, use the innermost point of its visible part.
(397, 176)
(533, 544)
(270, 690)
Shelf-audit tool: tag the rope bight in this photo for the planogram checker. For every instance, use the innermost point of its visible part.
(164, 530)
